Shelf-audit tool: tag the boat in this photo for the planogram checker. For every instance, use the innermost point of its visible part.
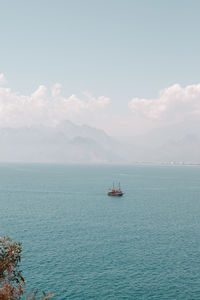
(115, 192)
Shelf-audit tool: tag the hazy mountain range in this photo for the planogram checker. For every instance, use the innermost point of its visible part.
(67, 142)
(72, 143)
(177, 142)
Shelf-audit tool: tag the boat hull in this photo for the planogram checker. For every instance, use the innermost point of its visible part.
(115, 194)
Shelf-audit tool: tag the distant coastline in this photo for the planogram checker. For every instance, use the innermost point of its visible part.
(171, 163)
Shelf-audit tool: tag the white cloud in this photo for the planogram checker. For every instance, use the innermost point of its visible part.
(172, 104)
(47, 107)
(3, 80)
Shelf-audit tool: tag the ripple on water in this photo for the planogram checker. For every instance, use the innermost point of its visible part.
(80, 244)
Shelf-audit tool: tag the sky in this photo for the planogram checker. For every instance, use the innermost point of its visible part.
(123, 66)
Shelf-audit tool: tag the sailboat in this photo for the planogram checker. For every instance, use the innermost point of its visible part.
(115, 192)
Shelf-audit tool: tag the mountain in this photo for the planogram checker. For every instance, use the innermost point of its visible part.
(177, 142)
(66, 142)
(72, 143)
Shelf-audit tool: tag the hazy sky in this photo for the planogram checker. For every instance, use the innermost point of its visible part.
(120, 64)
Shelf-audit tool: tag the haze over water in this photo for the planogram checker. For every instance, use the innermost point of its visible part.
(78, 243)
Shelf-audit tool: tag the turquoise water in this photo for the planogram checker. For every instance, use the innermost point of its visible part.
(81, 244)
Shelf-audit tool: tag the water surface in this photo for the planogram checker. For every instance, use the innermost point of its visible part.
(79, 243)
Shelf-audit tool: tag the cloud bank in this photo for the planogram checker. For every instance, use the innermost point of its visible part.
(162, 129)
(49, 107)
(173, 104)
(46, 106)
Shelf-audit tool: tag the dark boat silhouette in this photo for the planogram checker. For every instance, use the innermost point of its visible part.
(115, 191)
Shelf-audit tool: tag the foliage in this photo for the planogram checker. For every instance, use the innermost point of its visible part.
(11, 279)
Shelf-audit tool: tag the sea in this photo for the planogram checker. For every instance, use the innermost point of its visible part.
(79, 243)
